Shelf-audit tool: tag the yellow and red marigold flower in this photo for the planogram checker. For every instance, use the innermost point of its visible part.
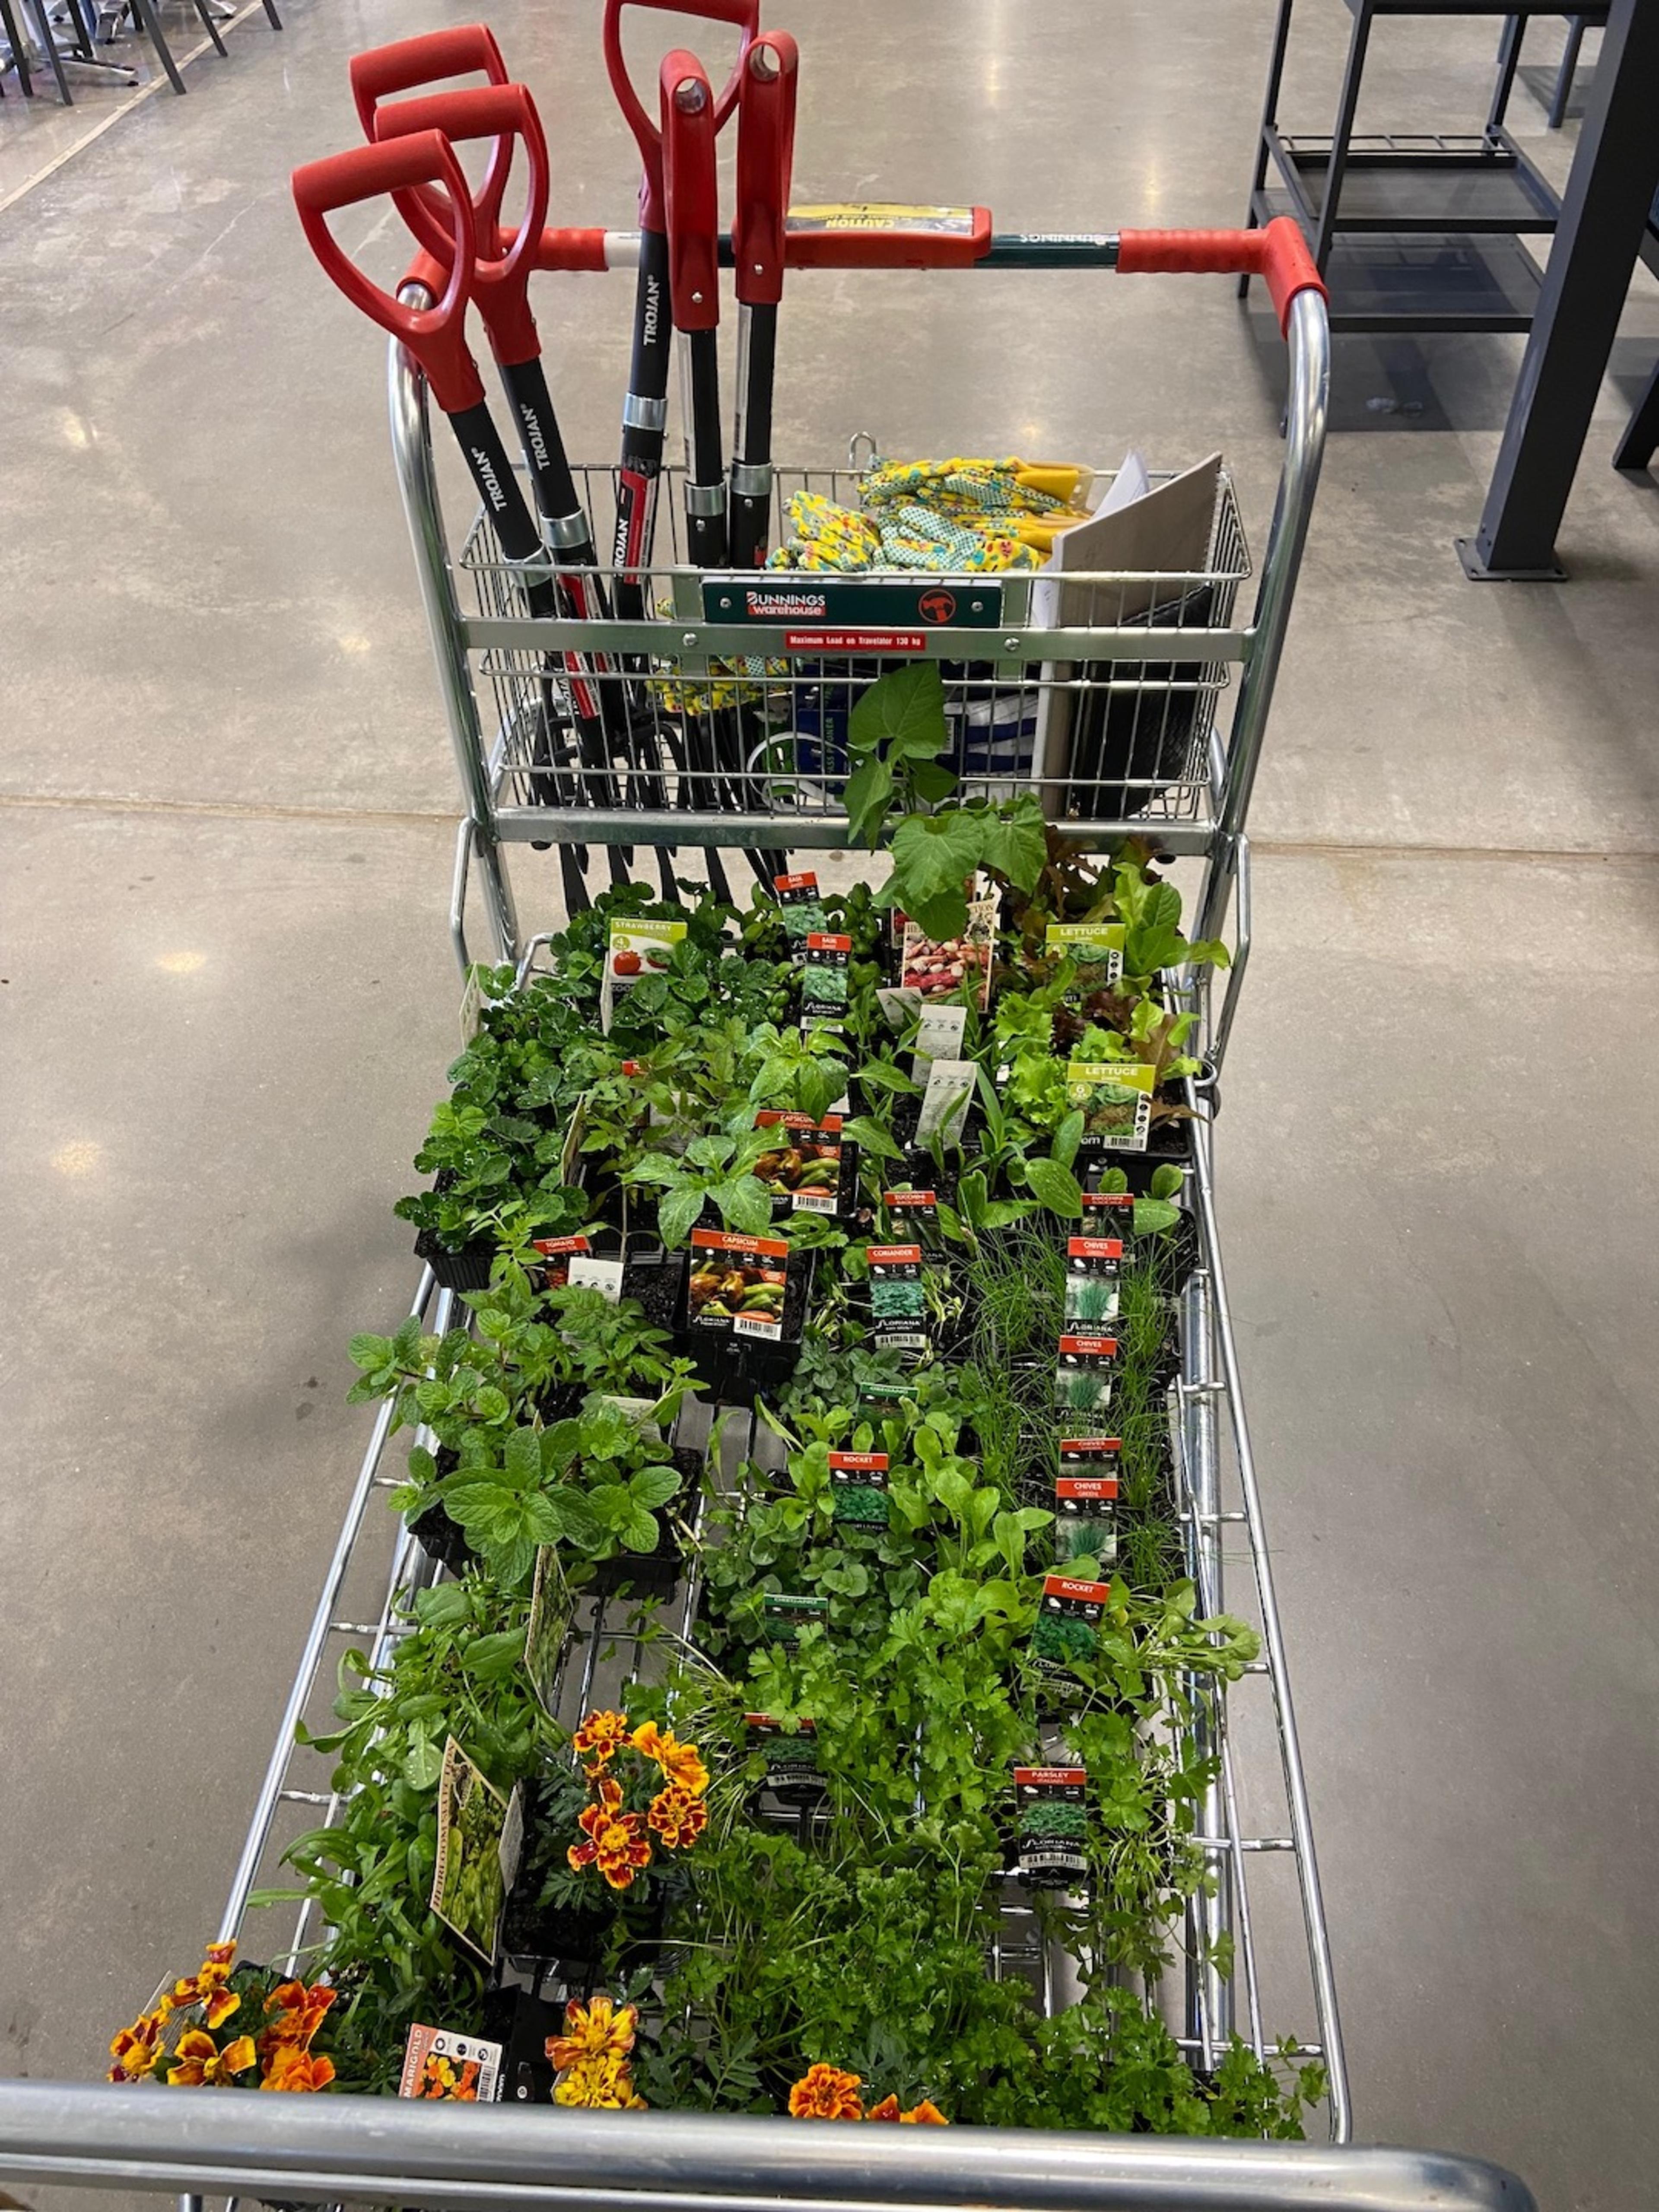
(135, 2049)
(598, 2030)
(825, 2092)
(927, 2114)
(599, 1738)
(600, 2085)
(300, 2012)
(199, 2060)
(614, 1841)
(206, 1987)
(293, 2069)
(678, 1818)
(681, 1763)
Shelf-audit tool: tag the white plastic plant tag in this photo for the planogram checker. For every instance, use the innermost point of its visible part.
(938, 1036)
(945, 1101)
(589, 1272)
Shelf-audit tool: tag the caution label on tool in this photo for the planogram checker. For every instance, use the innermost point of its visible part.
(881, 215)
(853, 603)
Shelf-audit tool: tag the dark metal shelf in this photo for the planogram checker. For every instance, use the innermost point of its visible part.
(1596, 16)
(1430, 184)
(1405, 281)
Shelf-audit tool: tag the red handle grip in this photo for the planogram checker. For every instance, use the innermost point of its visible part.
(500, 276)
(766, 156)
(691, 192)
(435, 336)
(745, 14)
(427, 60)
(1279, 253)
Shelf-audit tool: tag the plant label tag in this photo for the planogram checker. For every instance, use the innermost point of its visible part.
(939, 1035)
(1095, 951)
(1114, 1099)
(635, 950)
(808, 1172)
(1052, 1802)
(791, 1760)
(945, 1101)
(557, 1253)
(587, 1271)
(823, 981)
(897, 1307)
(456, 2070)
(468, 1886)
(1092, 1284)
(785, 1614)
(546, 1628)
(471, 1007)
(900, 1008)
(915, 1211)
(737, 1284)
(1066, 1633)
(1114, 1210)
(1085, 1502)
(1085, 1367)
(962, 967)
(802, 906)
(858, 1488)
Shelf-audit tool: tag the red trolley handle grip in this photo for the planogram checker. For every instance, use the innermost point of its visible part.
(384, 70)
(691, 192)
(766, 156)
(435, 336)
(1278, 253)
(501, 276)
(745, 14)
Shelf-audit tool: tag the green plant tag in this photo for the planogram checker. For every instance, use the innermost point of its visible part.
(785, 1613)
(802, 907)
(1097, 950)
(824, 981)
(791, 1760)
(858, 1488)
(1051, 1802)
(1114, 1099)
(1065, 1635)
(897, 1307)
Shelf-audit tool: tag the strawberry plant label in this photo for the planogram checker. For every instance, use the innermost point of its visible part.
(1054, 1825)
(1114, 1099)
(469, 1880)
(635, 949)
(1085, 1500)
(824, 981)
(791, 1761)
(1065, 1633)
(1095, 951)
(1091, 1273)
(897, 1303)
(452, 2068)
(858, 1488)
(811, 1171)
(737, 1283)
(803, 908)
(963, 966)
(939, 1035)
(945, 1102)
(1085, 1367)
(785, 1613)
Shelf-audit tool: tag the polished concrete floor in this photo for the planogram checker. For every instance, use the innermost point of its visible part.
(227, 997)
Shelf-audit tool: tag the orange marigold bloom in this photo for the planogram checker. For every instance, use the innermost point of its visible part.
(206, 1987)
(887, 2110)
(594, 2031)
(614, 1840)
(927, 2113)
(681, 1763)
(600, 1736)
(199, 2060)
(299, 2070)
(825, 2092)
(604, 2085)
(300, 2012)
(679, 1819)
(137, 2049)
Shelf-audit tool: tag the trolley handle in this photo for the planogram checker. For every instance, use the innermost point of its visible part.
(766, 150)
(435, 336)
(745, 14)
(500, 289)
(1278, 253)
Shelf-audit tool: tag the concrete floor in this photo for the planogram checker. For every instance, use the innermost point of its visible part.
(225, 792)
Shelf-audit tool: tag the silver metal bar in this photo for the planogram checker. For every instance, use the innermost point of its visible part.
(599, 825)
(773, 641)
(1245, 912)
(1210, 1996)
(464, 835)
(405, 2152)
(418, 482)
(265, 1808)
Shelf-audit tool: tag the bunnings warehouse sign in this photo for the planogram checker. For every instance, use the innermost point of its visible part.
(804, 602)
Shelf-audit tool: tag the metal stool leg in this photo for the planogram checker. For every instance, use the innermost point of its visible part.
(19, 52)
(1569, 70)
(271, 10)
(1636, 447)
(152, 23)
(206, 15)
(52, 54)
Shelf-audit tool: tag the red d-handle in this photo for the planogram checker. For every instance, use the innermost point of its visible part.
(435, 336)
(384, 70)
(1279, 253)
(691, 192)
(500, 274)
(766, 156)
(745, 14)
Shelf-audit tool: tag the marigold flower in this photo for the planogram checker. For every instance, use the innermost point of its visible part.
(825, 2092)
(199, 2060)
(927, 2113)
(614, 1840)
(679, 1819)
(681, 1763)
(600, 1736)
(604, 2085)
(593, 2031)
(206, 1987)
(887, 2110)
(137, 2049)
(292, 2068)
(300, 2012)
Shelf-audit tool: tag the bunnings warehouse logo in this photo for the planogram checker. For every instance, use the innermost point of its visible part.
(785, 606)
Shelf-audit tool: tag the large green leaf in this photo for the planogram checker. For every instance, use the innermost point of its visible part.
(653, 1485)
(745, 1203)
(678, 1214)
(933, 857)
(903, 712)
(1054, 1186)
(1015, 841)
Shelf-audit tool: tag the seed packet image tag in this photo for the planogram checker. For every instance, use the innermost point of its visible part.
(1091, 1280)
(1085, 1367)
(914, 1215)
(1066, 1633)
(1085, 1501)
(1114, 1099)
(785, 1613)
(634, 950)
(802, 906)
(737, 1284)
(1096, 949)
(806, 1170)
(825, 980)
(897, 1303)
(472, 1879)
(1051, 1802)
(792, 1761)
(858, 1488)
(942, 971)
(459, 2070)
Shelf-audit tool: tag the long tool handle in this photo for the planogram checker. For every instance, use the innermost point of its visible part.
(766, 148)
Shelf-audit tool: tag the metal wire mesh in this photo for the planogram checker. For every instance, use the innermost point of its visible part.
(1114, 736)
